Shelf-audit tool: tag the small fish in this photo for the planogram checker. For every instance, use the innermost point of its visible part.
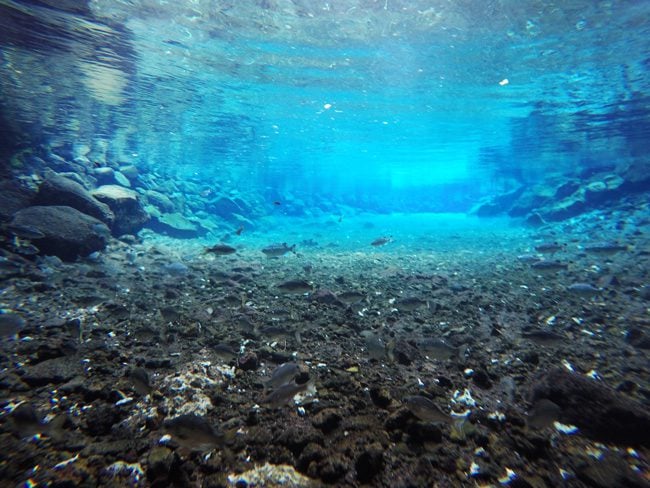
(25, 231)
(277, 203)
(380, 241)
(543, 337)
(225, 352)
(24, 422)
(206, 193)
(410, 304)
(10, 324)
(283, 374)
(605, 248)
(285, 393)
(24, 247)
(543, 414)
(584, 289)
(294, 287)
(277, 250)
(221, 250)
(193, 432)
(549, 247)
(170, 314)
(140, 379)
(351, 297)
(375, 346)
(176, 269)
(549, 266)
(426, 410)
(276, 333)
(240, 230)
(438, 349)
(528, 258)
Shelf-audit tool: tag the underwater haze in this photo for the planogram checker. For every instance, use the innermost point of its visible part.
(386, 105)
(324, 243)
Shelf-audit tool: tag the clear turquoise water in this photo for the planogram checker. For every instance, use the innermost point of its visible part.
(402, 104)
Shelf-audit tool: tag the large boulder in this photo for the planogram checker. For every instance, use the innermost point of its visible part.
(225, 207)
(67, 232)
(60, 191)
(564, 209)
(175, 225)
(130, 215)
(603, 189)
(636, 176)
(601, 413)
(13, 197)
(160, 201)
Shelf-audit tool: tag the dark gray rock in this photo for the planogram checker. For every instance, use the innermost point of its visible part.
(225, 207)
(600, 412)
(68, 233)
(130, 171)
(58, 370)
(604, 189)
(564, 209)
(636, 177)
(104, 175)
(130, 215)
(611, 471)
(13, 197)
(61, 191)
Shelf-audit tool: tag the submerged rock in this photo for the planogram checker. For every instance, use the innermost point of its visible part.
(130, 215)
(67, 232)
(175, 225)
(13, 197)
(599, 411)
(58, 190)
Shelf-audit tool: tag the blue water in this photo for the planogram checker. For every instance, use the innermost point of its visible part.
(380, 105)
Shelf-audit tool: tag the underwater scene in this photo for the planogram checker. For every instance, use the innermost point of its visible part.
(305, 243)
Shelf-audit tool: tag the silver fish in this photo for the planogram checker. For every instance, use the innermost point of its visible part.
(426, 410)
(193, 432)
(285, 393)
(221, 250)
(584, 289)
(295, 287)
(381, 241)
(277, 250)
(282, 375)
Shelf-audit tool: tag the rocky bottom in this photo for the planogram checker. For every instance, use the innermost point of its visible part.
(413, 367)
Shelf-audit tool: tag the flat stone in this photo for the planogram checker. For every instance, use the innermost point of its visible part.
(68, 233)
